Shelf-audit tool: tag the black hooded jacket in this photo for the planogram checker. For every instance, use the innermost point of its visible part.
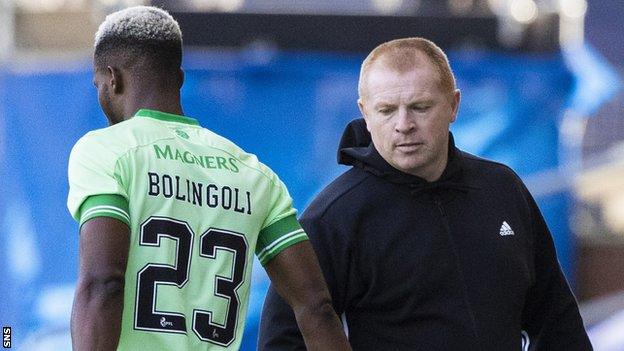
(462, 263)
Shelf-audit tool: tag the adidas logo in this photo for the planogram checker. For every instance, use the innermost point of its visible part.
(505, 229)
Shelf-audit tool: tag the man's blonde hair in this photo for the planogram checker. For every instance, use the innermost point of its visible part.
(403, 55)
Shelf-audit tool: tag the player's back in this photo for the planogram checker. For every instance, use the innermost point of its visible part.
(198, 207)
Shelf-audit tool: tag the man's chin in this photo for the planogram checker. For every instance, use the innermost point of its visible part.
(409, 167)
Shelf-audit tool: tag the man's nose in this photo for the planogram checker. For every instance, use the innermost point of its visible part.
(404, 123)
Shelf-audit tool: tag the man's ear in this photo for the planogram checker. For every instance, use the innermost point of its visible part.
(455, 105)
(364, 112)
(115, 79)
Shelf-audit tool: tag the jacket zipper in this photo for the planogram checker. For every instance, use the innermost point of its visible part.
(447, 230)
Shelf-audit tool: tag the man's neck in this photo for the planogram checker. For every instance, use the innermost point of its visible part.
(168, 103)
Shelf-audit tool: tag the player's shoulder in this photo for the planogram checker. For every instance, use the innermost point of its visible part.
(104, 142)
(116, 140)
(245, 159)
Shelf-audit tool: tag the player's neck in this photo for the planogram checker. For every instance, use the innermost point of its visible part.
(168, 103)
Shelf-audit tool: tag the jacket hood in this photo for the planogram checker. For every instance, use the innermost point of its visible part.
(356, 149)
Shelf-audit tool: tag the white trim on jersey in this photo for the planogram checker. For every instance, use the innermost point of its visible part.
(295, 234)
(106, 209)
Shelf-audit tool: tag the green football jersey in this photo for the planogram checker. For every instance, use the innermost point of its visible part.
(198, 208)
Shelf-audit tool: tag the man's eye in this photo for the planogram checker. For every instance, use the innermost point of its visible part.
(420, 108)
(386, 111)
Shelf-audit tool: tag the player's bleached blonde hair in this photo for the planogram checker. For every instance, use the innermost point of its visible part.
(139, 32)
(403, 55)
(139, 23)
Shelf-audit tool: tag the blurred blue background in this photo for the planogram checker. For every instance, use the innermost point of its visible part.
(289, 108)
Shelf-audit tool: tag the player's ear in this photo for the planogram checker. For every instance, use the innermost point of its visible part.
(180, 78)
(115, 79)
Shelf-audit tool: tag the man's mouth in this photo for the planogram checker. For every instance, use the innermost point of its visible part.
(408, 146)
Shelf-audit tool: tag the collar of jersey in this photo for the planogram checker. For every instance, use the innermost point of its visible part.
(163, 116)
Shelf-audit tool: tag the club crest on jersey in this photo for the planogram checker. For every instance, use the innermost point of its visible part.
(182, 134)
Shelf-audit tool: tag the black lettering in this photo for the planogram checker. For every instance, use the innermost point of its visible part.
(213, 200)
(197, 193)
(248, 203)
(188, 190)
(226, 204)
(166, 180)
(178, 197)
(154, 189)
(236, 208)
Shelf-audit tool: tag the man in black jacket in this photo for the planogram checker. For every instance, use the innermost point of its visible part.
(423, 246)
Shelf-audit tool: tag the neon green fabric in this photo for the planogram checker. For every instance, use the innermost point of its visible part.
(198, 208)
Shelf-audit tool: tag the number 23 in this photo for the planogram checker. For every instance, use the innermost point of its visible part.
(155, 274)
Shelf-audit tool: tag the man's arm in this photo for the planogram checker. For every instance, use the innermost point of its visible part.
(297, 277)
(98, 303)
(551, 316)
(278, 326)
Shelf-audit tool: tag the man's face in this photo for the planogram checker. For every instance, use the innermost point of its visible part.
(408, 116)
(102, 81)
